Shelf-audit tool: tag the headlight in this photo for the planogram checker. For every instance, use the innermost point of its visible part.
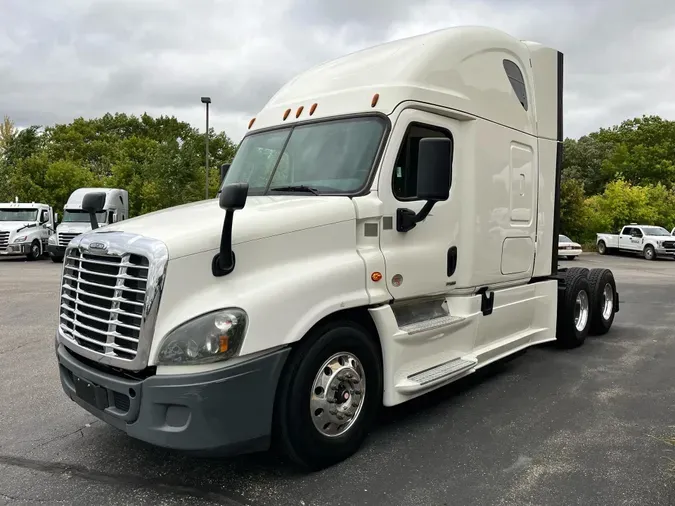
(211, 337)
(21, 238)
(52, 240)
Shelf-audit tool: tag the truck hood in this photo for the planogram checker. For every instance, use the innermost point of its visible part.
(196, 227)
(70, 227)
(12, 226)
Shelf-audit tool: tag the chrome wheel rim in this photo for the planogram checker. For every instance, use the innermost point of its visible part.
(337, 394)
(607, 301)
(581, 310)
(649, 253)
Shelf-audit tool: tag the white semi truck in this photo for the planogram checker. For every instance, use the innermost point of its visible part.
(388, 225)
(76, 220)
(25, 229)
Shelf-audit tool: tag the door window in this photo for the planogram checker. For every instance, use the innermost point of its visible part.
(405, 169)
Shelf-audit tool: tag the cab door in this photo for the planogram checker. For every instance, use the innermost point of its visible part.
(421, 261)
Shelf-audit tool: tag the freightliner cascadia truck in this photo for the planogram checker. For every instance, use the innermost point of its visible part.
(388, 225)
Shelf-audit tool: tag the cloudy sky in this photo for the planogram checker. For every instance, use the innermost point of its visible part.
(60, 59)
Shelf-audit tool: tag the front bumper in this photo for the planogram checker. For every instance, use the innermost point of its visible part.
(665, 252)
(228, 411)
(16, 249)
(55, 250)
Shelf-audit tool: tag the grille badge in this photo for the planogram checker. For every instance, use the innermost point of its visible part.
(97, 245)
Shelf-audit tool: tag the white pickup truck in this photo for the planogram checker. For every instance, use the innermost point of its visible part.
(648, 240)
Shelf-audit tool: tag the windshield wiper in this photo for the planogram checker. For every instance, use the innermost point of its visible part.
(28, 225)
(296, 188)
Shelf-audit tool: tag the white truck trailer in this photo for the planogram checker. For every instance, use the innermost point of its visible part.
(388, 225)
(25, 229)
(76, 220)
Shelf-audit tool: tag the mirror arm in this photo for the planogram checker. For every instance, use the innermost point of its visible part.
(93, 221)
(406, 219)
(223, 262)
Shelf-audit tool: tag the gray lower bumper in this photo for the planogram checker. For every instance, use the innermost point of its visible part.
(227, 411)
(16, 249)
(56, 251)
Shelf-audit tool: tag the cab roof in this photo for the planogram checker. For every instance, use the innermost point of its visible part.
(459, 68)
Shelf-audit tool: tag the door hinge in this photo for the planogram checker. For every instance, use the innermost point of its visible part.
(486, 302)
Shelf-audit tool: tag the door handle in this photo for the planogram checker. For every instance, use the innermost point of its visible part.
(452, 260)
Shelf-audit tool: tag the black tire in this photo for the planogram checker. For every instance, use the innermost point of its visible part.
(598, 279)
(35, 251)
(571, 271)
(567, 333)
(56, 260)
(602, 247)
(295, 433)
(649, 252)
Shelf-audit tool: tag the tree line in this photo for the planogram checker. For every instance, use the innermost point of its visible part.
(614, 176)
(617, 176)
(159, 161)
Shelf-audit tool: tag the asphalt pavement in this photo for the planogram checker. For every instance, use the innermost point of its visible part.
(553, 427)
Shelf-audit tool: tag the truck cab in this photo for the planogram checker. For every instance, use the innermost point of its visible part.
(76, 220)
(25, 229)
(388, 225)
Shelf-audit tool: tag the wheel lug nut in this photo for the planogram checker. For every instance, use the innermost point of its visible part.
(333, 411)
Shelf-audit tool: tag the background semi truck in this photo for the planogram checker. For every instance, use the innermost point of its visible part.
(77, 221)
(25, 228)
(388, 225)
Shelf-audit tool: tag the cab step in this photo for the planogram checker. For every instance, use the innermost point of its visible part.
(431, 324)
(437, 374)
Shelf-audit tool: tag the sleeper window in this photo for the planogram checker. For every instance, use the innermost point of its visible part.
(405, 169)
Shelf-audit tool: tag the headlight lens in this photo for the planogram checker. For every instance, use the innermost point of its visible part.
(211, 337)
(21, 238)
(52, 240)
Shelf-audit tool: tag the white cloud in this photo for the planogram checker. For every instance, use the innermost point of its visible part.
(60, 60)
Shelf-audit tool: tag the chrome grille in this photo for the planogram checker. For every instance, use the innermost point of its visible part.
(111, 288)
(102, 301)
(65, 238)
(4, 240)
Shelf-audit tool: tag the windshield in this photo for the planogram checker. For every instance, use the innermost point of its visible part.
(655, 231)
(333, 156)
(18, 214)
(564, 238)
(79, 216)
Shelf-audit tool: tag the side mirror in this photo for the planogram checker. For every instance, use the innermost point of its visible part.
(223, 171)
(434, 174)
(93, 203)
(232, 198)
(434, 169)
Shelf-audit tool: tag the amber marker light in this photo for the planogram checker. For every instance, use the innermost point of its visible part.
(312, 109)
(376, 276)
(373, 102)
(288, 111)
(250, 123)
(299, 111)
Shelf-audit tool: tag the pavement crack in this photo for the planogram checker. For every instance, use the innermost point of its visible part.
(3, 352)
(131, 480)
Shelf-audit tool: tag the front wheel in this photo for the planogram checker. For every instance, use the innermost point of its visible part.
(649, 252)
(329, 395)
(602, 247)
(35, 250)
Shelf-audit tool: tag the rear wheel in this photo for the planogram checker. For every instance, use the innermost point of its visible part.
(574, 309)
(603, 300)
(329, 395)
(602, 247)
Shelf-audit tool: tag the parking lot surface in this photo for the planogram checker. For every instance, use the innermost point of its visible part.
(553, 427)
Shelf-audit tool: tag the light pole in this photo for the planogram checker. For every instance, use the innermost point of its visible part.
(207, 101)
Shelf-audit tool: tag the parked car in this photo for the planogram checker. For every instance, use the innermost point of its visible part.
(647, 240)
(567, 248)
